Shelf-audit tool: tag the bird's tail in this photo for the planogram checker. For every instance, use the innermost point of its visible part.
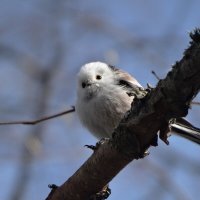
(185, 129)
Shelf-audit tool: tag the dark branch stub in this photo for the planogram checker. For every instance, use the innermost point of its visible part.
(53, 188)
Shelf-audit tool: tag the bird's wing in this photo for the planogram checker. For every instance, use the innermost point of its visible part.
(128, 82)
(124, 77)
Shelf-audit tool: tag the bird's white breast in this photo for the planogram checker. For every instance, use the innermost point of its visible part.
(102, 113)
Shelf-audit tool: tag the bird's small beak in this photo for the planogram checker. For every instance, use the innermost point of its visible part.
(88, 84)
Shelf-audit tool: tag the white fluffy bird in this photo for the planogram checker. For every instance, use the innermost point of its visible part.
(103, 98)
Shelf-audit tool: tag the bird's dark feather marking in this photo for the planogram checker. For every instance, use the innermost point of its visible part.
(113, 68)
(125, 84)
(132, 89)
(125, 78)
(128, 82)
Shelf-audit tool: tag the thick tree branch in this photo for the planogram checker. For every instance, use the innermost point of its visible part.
(138, 130)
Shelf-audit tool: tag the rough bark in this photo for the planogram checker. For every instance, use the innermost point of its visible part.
(138, 130)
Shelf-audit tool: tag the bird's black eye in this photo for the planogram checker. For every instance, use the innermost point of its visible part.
(98, 77)
(83, 85)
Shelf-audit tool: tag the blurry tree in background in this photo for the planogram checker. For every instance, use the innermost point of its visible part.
(42, 46)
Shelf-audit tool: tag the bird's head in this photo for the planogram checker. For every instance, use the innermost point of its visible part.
(92, 78)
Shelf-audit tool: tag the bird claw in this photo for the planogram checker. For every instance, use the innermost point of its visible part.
(143, 155)
(98, 144)
(146, 153)
(102, 195)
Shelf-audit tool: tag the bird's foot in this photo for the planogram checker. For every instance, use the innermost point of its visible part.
(98, 144)
(102, 195)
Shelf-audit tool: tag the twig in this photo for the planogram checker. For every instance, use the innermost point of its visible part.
(33, 122)
(157, 77)
(195, 103)
(154, 73)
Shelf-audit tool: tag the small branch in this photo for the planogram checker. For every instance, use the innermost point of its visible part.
(195, 103)
(155, 74)
(37, 121)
